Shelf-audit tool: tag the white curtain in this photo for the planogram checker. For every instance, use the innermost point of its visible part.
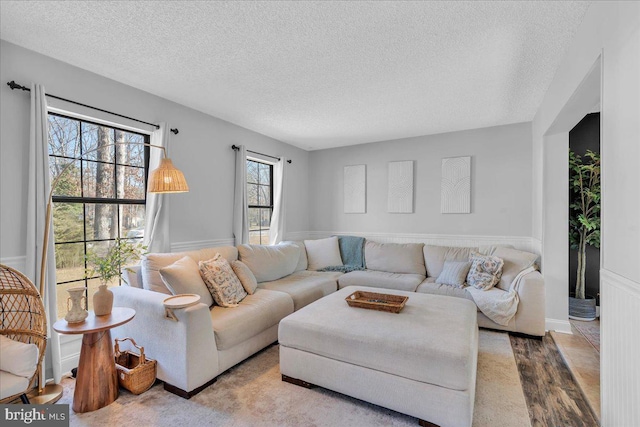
(156, 223)
(240, 205)
(37, 197)
(277, 230)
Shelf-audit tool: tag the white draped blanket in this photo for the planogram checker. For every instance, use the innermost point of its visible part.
(498, 305)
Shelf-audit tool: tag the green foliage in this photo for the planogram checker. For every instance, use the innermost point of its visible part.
(67, 225)
(108, 265)
(584, 208)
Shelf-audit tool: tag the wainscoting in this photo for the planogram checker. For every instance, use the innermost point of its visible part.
(519, 242)
(620, 349)
(17, 262)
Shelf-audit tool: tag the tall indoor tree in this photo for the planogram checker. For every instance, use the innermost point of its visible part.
(584, 217)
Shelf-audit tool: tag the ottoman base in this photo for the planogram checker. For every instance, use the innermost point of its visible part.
(430, 403)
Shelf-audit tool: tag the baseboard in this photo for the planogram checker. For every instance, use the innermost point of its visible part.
(16, 262)
(188, 394)
(519, 242)
(562, 326)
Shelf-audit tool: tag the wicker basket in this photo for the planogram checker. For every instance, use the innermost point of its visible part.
(136, 373)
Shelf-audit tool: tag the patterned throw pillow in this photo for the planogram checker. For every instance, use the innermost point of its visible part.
(485, 271)
(454, 273)
(222, 282)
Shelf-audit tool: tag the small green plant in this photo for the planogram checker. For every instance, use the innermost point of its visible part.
(108, 265)
(584, 216)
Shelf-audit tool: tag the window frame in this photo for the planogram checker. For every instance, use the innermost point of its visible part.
(270, 206)
(86, 201)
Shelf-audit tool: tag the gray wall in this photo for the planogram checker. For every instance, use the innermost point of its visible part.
(201, 149)
(501, 172)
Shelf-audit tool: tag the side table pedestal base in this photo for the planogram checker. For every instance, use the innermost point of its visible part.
(97, 381)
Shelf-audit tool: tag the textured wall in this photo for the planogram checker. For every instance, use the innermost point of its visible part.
(500, 184)
(201, 149)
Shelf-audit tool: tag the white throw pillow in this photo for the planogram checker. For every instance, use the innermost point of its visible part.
(225, 288)
(248, 280)
(18, 358)
(323, 253)
(183, 277)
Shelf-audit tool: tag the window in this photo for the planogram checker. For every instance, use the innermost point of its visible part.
(260, 199)
(97, 200)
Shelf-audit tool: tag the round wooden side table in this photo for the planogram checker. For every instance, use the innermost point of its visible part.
(97, 379)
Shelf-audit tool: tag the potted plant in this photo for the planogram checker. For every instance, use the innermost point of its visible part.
(584, 225)
(107, 266)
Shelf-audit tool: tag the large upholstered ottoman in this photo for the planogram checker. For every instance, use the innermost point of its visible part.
(421, 361)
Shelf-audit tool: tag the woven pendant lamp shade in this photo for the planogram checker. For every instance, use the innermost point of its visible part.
(167, 179)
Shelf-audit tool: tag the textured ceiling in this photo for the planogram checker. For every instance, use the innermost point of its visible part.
(316, 74)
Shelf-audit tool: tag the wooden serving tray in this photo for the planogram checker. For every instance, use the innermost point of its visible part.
(376, 301)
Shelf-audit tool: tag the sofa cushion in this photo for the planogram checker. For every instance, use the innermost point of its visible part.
(225, 288)
(18, 358)
(514, 262)
(435, 256)
(255, 314)
(270, 262)
(395, 257)
(304, 287)
(323, 253)
(485, 272)
(303, 262)
(12, 384)
(454, 273)
(381, 279)
(183, 277)
(245, 275)
(152, 263)
(429, 286)
(423, 343)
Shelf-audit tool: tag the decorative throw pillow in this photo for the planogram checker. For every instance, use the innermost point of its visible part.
(183, 277)
(454, 273)
(248, 280)
(485, 271)
(223, 284)
(18, 358)
(323, 253)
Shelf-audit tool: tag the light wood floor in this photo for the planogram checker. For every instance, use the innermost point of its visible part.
(553, 396)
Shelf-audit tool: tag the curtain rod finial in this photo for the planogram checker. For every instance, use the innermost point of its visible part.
(13, 85)
(175, 131)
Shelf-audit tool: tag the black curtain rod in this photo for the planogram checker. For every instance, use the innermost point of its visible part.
(235, 147)
(13, 85)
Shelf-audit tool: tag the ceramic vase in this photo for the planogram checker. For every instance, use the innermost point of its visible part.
(102, 301)
(76, 313)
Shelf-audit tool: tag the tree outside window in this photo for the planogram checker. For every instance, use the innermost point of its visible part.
(98, 199)
(260, 200)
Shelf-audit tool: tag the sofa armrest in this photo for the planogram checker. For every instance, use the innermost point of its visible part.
(132, 276)
(185, 350)
(530, 317)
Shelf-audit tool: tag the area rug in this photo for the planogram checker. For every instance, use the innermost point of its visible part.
(252, 394)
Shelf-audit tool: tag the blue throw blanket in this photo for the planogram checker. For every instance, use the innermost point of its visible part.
(352, 253)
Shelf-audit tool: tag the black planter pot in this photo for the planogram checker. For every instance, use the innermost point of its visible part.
(582, 309)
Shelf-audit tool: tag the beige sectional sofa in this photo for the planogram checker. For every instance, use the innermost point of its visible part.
(206, 341)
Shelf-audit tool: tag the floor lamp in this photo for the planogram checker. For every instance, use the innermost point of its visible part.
(164, 179)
